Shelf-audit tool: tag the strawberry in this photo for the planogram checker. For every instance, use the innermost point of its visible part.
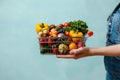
(44, 41)
(49, 42)
(55, 51)
(41, 40)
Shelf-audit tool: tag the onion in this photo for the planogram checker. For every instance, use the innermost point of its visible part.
(61, 35)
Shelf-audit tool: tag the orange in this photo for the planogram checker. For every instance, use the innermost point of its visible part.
(50, 33)
(54, 32)
(54, 35)
(72, 46)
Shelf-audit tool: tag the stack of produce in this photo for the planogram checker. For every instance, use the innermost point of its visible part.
(61, 38)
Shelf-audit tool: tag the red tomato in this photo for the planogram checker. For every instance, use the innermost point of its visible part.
(66, 24)
(89, 33)
(52, 26)
(60, 25)
(67, 33)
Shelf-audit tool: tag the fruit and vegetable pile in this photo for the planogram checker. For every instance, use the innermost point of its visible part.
(61, 38)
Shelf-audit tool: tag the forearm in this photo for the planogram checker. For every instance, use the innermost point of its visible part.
(106, 51)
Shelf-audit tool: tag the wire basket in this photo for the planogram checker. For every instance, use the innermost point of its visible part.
(59, 45)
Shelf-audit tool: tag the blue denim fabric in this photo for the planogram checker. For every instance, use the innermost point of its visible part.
(112, 64)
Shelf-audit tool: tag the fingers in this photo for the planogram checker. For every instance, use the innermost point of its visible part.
(72, 52)
(65, 56)
(76, 51)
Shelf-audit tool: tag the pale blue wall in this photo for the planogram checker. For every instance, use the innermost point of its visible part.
(19, 49)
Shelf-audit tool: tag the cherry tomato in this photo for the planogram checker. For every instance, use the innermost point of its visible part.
(66, 24)
(67, 33)
(52, 26)
(60, 25)
(89, 33)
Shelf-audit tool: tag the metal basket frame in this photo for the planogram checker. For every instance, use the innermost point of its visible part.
(46, 48)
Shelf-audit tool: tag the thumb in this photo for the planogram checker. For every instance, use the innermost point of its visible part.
(73, 52)
(76, 51)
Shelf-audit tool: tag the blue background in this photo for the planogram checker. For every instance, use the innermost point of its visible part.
(19, 49)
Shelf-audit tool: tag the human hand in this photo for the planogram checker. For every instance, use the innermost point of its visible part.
(76, 53)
